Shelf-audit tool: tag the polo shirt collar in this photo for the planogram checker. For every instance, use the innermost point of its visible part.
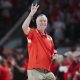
(43, 35)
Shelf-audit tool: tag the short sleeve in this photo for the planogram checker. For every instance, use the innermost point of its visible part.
(31, 33)
(52, 50)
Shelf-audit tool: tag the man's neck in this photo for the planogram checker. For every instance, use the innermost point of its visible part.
(41, 31)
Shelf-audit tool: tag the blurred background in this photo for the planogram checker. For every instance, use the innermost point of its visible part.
(63, 26)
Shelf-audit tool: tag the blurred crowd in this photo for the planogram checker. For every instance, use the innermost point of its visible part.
(63, 26)
(67, 66)
(64, 20)
(13, 65)
(63, 16)
(10, 12)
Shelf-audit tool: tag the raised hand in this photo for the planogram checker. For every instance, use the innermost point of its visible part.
(34, 9)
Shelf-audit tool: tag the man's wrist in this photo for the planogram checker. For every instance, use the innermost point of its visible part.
(31, 14)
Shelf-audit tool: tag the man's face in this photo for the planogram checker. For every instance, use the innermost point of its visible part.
(41, 22)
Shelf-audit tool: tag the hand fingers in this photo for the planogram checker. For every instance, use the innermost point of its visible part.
(32, 6)
(37, 6)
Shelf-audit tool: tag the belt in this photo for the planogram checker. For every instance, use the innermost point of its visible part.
(42, 70)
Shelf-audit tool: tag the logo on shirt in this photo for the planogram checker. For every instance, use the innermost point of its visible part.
(49, 38)
(29, 40)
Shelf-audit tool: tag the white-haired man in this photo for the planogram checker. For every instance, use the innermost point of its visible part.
(40, 47)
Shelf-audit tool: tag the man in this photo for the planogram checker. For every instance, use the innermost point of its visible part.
(40, 47)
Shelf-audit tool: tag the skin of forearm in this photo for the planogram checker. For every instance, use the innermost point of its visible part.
(27, 21)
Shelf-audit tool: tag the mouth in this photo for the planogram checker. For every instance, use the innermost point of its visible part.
(42, 25)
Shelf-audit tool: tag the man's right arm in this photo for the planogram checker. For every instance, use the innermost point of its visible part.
(26, 23)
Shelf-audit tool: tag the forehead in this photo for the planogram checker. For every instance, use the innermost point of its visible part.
(42, 17)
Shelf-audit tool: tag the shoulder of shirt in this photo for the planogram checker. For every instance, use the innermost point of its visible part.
(49, 37)
(33, 29)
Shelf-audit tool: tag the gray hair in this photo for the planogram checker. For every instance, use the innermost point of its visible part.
(41, 15)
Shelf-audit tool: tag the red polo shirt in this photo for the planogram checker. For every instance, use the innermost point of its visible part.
(40, 49)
